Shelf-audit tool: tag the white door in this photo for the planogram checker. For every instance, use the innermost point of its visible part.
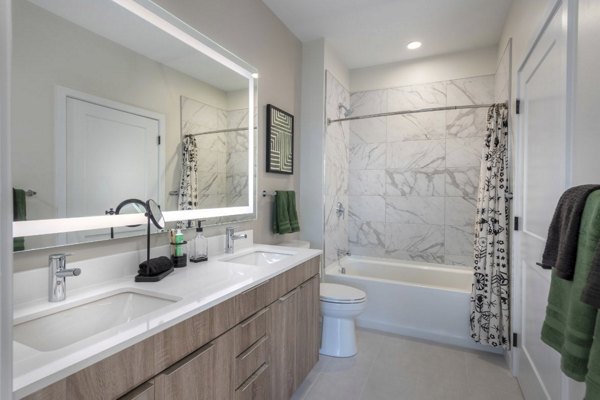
(542, 167)
(111, 155)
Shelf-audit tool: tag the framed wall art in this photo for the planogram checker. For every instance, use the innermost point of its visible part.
(280, 141)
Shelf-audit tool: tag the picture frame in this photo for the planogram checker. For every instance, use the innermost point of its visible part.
(280, 141)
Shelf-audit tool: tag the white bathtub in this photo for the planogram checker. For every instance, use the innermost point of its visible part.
(428, 301)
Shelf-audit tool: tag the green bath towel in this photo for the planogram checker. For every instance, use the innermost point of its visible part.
(570, 323)
(281, 218)
(19, 214)
(292, 211)
(592, 380)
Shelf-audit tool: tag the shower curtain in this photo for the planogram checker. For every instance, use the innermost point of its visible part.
(490, 296)
(188, 189)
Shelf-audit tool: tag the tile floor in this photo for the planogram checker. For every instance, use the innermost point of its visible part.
(397, 368)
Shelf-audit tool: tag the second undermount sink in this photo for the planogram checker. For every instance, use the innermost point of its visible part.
(259, 258)
(56, 330)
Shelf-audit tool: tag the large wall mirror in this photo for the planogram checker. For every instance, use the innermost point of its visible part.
(117, 100)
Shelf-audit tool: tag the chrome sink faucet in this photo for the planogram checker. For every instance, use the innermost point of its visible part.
(231, 237)
(57, 276)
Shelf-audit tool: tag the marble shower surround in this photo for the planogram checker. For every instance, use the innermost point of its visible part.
(413, 179)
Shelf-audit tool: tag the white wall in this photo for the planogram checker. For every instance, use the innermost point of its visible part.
(250, 30)
(6, 242)
(312, 144)
(586, 142)
(425, 70)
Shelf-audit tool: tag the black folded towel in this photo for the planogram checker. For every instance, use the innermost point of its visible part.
(155, 266)
(561, 246)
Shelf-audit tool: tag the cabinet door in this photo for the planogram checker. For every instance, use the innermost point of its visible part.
(204, 374)
(282, 331)
(307, 341)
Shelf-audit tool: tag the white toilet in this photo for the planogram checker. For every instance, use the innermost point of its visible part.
(340, 304)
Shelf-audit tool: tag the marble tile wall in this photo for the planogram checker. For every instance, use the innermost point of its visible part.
(337, 140)
(223, 157)
(413, 179)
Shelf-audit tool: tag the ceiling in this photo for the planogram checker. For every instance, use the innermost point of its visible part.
(373, 32)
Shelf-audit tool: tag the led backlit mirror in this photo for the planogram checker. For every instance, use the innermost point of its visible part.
(106, 95)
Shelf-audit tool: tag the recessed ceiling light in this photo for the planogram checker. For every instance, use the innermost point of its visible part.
(413, 45)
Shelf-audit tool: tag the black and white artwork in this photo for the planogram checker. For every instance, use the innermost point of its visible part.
(280, 141)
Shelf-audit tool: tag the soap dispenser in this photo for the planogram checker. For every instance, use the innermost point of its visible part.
(199, 245)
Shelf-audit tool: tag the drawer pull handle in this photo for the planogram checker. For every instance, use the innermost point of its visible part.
(254, 287)
(253, 318)
(253, 347)
(287, 296)
(253, 378)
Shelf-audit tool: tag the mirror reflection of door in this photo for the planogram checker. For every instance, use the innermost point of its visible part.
(111, 155)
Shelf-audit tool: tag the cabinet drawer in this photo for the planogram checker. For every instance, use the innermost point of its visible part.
(249, 331)
(249, 361)
(252, 300)
(256, 387)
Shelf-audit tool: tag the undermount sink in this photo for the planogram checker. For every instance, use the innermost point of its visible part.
(259, 258)
(65, 327)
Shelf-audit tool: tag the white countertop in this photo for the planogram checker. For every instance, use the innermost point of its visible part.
(199, 286)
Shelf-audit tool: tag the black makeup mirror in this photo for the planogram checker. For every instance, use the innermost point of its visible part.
(154, 269)
(155, 214)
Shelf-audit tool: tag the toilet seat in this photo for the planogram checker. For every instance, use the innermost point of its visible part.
(341, 294)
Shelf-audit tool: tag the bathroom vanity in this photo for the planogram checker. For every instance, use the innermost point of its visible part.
(250, 332)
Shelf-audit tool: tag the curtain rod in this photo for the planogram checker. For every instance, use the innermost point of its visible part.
(219, 131)
(387, 114)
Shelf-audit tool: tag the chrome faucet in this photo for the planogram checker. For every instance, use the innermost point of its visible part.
(57, 276)
(341, 253)
(231, 237)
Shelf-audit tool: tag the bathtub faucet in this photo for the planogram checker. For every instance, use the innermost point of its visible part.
(341, 253)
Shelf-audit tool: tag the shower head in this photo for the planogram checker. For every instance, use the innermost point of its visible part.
(347, 111)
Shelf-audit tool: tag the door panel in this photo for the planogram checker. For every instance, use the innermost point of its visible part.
(543, 156)
(111, 155)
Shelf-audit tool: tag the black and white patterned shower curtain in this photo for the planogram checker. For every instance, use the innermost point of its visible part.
(490, 296)
(188, 188)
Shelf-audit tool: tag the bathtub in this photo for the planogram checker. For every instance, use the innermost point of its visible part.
(428, 301)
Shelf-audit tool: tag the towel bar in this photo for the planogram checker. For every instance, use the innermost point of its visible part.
(265, 193)
(30, 193)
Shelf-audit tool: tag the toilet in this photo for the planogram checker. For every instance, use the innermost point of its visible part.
(340, 305)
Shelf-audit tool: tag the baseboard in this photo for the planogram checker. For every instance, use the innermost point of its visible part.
(427, 335)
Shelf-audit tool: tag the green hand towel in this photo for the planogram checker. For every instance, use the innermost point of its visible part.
(19, 214)
(294, 224)
(281, 218)
(592, 380)
(569, 325)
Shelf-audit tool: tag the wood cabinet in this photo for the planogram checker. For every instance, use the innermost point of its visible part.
(294, 331)
(308, 335)
(258, 345)
(282, 330)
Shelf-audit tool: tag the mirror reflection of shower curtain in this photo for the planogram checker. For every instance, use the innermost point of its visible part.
(490, 297)
(188, 188)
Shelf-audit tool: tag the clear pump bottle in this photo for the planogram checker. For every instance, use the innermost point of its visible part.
(199, 246)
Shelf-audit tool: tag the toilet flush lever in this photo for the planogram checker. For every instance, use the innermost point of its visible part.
(340, 210)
